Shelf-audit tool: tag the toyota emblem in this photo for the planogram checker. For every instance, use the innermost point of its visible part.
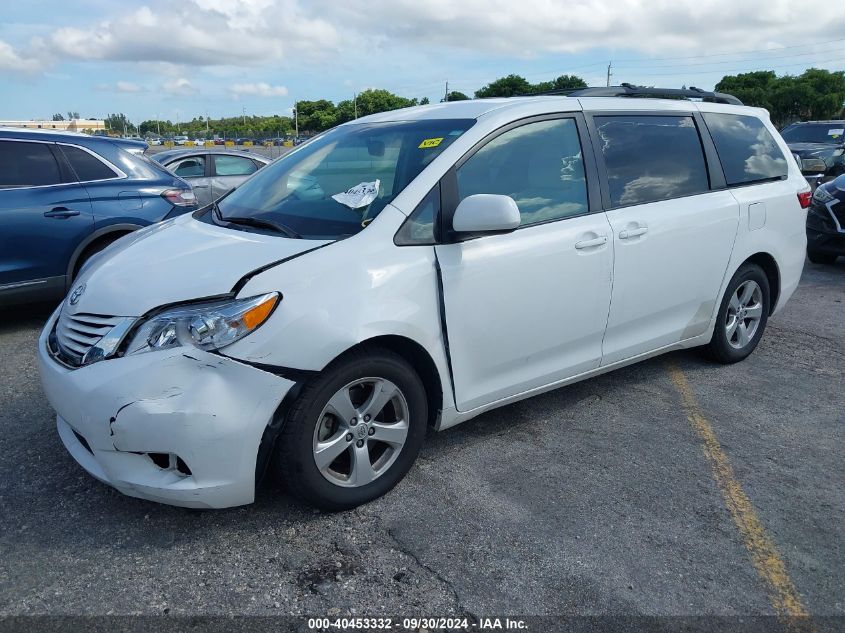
(76, 294)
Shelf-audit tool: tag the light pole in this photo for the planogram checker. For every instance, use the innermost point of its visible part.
(296, 118)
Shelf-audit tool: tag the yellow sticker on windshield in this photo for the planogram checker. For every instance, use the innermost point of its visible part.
(431, 142)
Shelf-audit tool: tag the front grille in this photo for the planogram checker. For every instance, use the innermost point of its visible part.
(76, 334)
(838, 211)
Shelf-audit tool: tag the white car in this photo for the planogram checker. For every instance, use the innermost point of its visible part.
(460, 257)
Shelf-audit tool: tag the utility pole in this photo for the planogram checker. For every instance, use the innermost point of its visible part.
(609, 73)
(244, 115)
(296, 118)
(206, 125)
(446, 98)
(158, 122)
(355, 103)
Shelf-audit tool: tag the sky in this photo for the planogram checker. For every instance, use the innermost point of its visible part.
(177, 59)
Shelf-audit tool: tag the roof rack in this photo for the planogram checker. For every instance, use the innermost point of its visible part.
(629, 90)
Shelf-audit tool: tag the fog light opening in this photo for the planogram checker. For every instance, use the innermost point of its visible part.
(170, 461)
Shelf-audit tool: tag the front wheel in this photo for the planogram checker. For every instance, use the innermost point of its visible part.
(354, 432)
(742, 316)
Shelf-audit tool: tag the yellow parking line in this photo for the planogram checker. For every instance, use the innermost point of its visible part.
(764, 553)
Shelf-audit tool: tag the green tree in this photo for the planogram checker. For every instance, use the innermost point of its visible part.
(454, 95)
(72, 115)
(564, 82)
(424, 101)
(815, 94)
(505, 87)
(58, 117)
(120, 124)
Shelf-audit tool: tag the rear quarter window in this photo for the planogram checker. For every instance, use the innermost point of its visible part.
(747, 150)
(86, 166)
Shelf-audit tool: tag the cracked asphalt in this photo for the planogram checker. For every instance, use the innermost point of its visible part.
(593, 499)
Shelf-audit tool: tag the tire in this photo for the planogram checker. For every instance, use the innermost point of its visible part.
(820, 258)
(316, 422)
(742, 316)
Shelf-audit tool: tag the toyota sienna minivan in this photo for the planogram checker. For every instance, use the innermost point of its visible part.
(410, 270)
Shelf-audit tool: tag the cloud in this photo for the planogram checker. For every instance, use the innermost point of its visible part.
(238, 34)
(260, 89)
(128, 86)
(11, 60)
(179, 86)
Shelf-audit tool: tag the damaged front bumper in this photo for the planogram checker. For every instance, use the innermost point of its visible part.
(180, 426)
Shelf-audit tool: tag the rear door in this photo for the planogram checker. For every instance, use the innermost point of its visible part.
(527, 309)
(228, 172)
(44, 213)
(674, 226)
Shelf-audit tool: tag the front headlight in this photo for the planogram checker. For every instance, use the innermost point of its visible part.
(838, 152)
(822, 195)
(208, 326)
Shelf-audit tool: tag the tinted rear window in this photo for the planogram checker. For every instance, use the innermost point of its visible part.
(651, 158)
(86, 166)
(747, 151)
(27, 165)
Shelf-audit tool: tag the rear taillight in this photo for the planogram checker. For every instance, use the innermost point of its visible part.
(180, 197)
(804, 198)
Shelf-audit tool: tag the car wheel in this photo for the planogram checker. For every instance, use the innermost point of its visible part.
(742, 316)
(354, 431)
(820, 258)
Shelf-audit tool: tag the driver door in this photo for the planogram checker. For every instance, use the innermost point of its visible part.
(528, 308)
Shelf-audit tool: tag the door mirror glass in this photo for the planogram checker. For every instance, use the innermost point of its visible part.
(486, 213)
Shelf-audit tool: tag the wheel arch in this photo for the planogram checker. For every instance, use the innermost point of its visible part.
(111, 232)
(416, 356)
(770, 267)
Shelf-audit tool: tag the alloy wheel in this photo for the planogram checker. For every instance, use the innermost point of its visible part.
(360, 432)
(745, 311)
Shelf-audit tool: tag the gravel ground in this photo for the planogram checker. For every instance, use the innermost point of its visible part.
(593, 499)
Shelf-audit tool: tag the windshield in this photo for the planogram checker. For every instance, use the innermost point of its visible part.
(816, 133)
(337, 183)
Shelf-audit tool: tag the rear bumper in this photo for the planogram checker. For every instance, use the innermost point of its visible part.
(116, 416)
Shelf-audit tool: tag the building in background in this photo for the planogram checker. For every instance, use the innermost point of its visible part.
(71, 125)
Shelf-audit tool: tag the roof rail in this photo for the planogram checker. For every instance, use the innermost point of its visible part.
(628, 90)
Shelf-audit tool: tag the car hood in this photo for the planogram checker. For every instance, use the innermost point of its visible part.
(174, 261)
(812, 149)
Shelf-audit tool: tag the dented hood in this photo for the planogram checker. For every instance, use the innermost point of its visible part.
(174, 261)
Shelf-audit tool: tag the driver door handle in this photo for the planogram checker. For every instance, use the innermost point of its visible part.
(597, 241)
(60, 213)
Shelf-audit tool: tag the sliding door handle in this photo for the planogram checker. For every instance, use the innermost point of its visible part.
(629, 233)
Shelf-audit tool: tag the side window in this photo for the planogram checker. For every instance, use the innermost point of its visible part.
(747, 150)
(27, 165)
(539, 165)
(192, 167)
(651, 158)
(86, 166)
(233, 165)
(419, 227)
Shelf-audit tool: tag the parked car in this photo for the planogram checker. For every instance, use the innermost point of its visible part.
(211, 172)
(462, 258)
(65, 197)
(180, 140)
(819, 147)
(826, 222)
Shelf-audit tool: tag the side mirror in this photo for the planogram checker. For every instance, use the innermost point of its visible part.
(486, 213)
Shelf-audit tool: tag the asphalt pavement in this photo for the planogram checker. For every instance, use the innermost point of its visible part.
(600, 498)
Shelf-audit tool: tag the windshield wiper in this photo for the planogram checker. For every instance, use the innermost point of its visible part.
(258, 223)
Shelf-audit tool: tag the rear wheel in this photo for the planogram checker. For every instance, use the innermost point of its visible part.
(354, 432)
(742, 316)
(820, 258)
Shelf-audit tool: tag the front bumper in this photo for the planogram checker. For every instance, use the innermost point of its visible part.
(115, 416)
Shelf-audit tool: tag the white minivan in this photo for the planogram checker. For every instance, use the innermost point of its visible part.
(410, 270)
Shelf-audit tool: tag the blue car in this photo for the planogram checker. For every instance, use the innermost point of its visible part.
(65, 197)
